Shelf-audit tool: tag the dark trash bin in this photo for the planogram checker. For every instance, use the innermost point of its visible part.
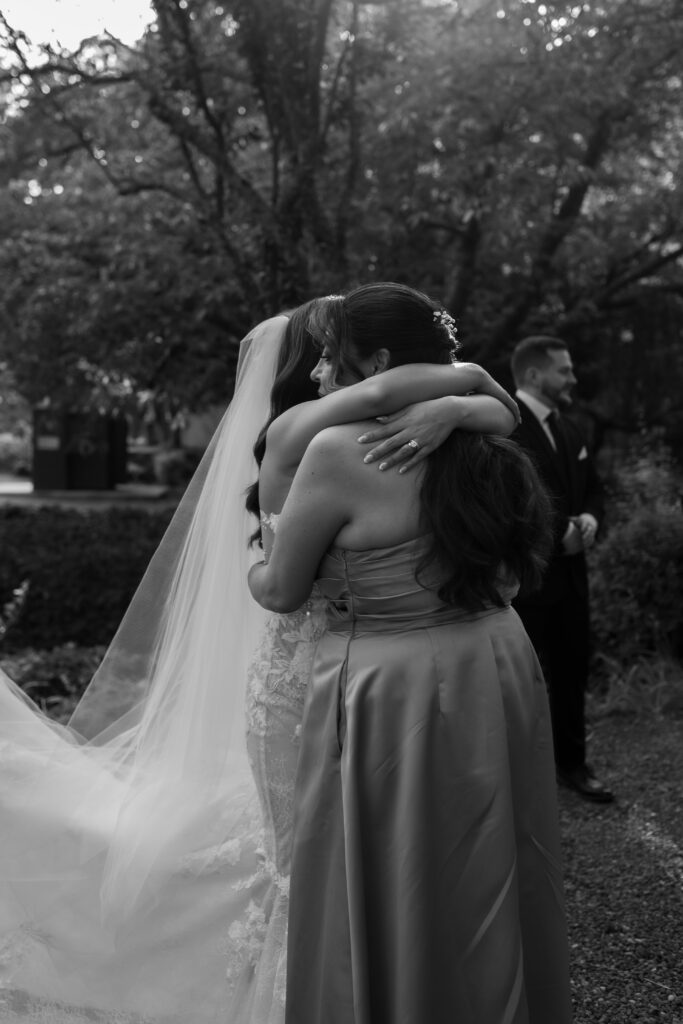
(78, 451)
(49, 455)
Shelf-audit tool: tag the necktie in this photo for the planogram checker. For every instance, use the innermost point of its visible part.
(553, 421)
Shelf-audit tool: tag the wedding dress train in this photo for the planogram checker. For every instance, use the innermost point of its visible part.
(139, 883)
(225, 907)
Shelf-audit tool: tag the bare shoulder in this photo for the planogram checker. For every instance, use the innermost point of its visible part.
(336, 458)
(280, 431)
(340, 441)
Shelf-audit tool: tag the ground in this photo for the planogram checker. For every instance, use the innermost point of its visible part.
(624, 875)
(623, 862)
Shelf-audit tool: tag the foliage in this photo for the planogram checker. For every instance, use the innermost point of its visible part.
(106, 304)
(16, 454)
(54, 679)
(13, 609)
(650, 686)
(517, 159)
(15, 412)
(637, 569)
(82, 568)
(15, 426)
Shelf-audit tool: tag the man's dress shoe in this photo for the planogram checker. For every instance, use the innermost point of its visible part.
(583, 782)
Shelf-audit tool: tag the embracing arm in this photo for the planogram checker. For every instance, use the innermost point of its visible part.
(315, 511)
(290, 433)
(429, 424)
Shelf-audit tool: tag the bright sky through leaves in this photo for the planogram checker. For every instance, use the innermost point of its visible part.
(69, 21)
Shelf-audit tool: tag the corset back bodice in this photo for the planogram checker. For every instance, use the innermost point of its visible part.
(377, 589)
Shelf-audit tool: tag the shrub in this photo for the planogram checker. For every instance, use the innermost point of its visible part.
(54, 679)
(16, 454)
(637, 586)
(637, 568)
(82, 567)
(648, 686)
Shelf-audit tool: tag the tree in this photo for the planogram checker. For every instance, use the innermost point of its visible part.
(210, 132)
(516, 158)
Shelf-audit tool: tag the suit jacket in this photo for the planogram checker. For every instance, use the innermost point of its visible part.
(574, 487)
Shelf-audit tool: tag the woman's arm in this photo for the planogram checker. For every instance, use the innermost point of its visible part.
(316, 509)
(290, 433)
(430, 423)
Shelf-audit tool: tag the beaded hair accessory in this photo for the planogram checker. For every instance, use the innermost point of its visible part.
(444, 319)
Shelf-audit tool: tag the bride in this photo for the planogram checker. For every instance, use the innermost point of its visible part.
(137, 880)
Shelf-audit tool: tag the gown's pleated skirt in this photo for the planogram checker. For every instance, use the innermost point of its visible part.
(426, 885)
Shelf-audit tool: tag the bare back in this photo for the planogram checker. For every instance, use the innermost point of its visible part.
(383, 508)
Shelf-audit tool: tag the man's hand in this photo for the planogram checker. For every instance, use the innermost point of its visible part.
(588, 527)
(580, 535)
(572, 542)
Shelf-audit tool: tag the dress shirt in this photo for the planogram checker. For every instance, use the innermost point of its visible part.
(540, 410)
(543, 412)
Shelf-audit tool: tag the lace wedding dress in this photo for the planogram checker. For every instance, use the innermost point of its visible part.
(139, 881)
(230, 915)
(277, 681)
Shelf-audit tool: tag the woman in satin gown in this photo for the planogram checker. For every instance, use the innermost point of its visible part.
(280, 669)
(426, 883)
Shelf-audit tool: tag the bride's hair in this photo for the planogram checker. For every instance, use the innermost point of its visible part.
(481, 498)
(408, 323)
(292, 384)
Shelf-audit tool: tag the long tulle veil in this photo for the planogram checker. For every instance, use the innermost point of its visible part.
(112, 828)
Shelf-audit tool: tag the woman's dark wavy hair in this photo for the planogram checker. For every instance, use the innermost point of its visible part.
(489, 515)
(481, 498)
(291, 386)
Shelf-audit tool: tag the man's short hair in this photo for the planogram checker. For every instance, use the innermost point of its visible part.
(533, 351)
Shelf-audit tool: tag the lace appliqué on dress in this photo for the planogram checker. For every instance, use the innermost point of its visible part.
(278, 675)
(270, 520)
(281, 667)
(277, 680)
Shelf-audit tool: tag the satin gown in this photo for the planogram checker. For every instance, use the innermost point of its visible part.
(426, 883)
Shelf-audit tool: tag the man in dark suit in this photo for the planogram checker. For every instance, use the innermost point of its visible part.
(556, 617)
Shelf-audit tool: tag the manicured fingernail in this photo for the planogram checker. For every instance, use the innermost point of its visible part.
(403, 469)
(369, 458)
(382, 465)
(362, 438)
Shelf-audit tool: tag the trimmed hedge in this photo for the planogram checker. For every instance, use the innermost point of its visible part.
(83, 566)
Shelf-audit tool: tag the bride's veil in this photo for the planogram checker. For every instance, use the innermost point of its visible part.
(151, 777)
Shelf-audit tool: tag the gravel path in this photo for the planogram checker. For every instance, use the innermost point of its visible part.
(624, 876)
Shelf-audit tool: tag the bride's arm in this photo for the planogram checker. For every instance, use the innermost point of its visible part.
(317, 507)
(388, 392)
(429, 424)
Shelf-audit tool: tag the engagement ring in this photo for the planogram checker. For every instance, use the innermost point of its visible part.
(413, 444)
